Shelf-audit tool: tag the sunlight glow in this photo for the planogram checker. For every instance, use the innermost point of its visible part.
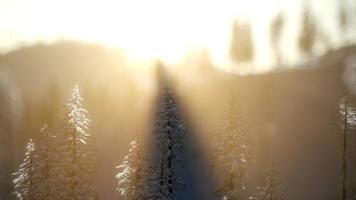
(145, 29)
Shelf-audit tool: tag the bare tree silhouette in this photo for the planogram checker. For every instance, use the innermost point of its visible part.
(307, 36)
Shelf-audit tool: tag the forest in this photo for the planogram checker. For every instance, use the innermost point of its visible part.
(84, 120)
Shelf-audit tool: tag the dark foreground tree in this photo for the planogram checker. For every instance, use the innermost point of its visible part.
(168, 134)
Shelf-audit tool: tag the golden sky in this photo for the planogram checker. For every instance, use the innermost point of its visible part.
(167, 29)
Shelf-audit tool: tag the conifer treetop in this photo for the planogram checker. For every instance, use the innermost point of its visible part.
(76, 116)
(23, 182)
(131, 178)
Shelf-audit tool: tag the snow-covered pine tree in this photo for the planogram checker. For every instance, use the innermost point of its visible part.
(24, 177)
(44, 163)
(133, 174)
(348, 122)
(169, 131)
(270, 190)
(231, 154)
(75, 152)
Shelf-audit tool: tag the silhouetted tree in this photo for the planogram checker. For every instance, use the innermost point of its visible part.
(307, 34)
(241, 49)
(276, 34)
(348, 122)
(231, 155)
(169, 131)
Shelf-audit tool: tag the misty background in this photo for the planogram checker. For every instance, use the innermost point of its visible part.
(288, 70)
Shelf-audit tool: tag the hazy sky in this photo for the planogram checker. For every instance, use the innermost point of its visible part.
(156, 28)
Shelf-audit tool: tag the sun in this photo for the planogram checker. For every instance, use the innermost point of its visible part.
(162, 29)
(148, 29)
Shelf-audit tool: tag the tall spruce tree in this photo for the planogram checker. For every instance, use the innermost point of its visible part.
(24, 177)
(132, 178)
(348, 122)
(231, 155)
(270, 190)
(75, 152)
(169, 131)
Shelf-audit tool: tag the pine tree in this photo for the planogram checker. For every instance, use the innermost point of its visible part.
(75, 153)
(231, 155)
(348, 122)
(270, 190)
(133, 175)
(44, 163)
(169, 131)
(24, 177)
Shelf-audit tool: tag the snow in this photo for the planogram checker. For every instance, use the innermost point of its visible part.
(23, 181)
(345, 110)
